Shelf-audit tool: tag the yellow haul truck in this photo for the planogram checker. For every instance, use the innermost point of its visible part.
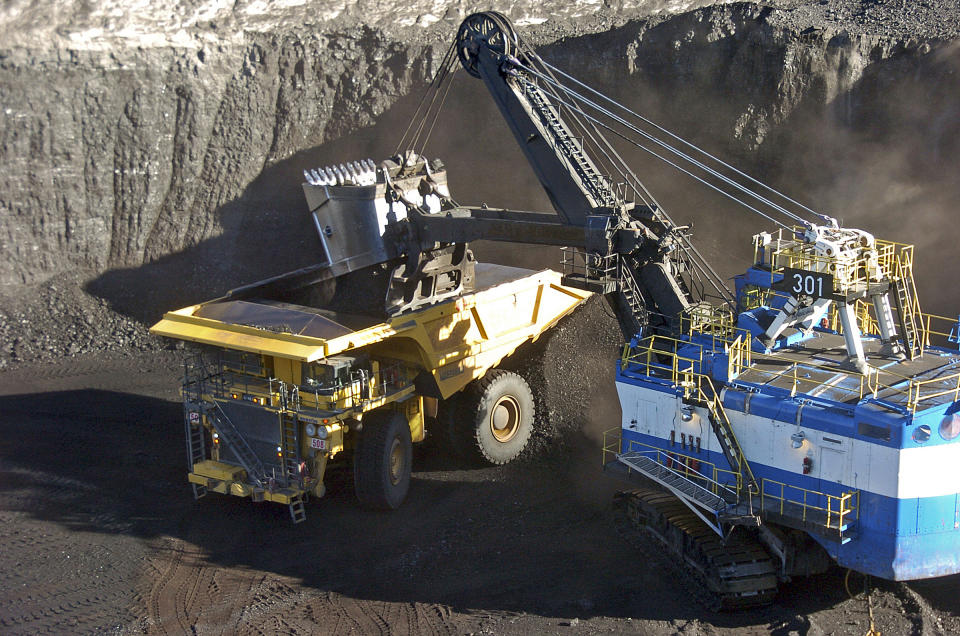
(286, 381)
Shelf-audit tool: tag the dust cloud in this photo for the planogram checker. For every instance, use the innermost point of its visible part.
(883, 152)
(886, 158)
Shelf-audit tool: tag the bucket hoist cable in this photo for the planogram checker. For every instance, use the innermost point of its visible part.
(685, 142)
(445, 73)
(679, 153)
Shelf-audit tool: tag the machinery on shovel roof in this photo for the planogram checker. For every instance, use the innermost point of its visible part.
(810, 416)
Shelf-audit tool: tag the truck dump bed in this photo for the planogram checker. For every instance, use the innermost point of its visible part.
(455, 340)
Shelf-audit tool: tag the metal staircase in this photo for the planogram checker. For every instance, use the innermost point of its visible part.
(232, 438)
(674, 480)
(194, 388)
(716, 503)
(631, 296)
(908, 309)
(707, 505)
(699, 391)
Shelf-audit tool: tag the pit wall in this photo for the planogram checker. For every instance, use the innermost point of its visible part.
(143, 165)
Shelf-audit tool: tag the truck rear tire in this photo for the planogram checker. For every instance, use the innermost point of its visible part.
(495, 417)
(381, 463)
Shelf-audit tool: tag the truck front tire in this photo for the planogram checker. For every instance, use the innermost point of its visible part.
(381, 463)
(495, 417)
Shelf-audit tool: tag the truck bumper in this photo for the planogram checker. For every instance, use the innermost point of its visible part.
(227, 479)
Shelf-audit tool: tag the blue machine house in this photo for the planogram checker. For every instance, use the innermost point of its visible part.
(818, 416)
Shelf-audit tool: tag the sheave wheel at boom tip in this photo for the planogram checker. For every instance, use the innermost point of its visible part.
(490, 28)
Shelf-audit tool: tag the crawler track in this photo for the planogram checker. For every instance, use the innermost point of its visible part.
(734, 574)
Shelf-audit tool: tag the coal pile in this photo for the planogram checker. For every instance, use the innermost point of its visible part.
(571, 371)
(56, 320)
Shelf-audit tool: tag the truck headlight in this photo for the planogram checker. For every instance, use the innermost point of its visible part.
(310, 430)
(322, 432)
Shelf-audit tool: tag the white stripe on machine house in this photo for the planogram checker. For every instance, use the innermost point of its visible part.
(898, 473)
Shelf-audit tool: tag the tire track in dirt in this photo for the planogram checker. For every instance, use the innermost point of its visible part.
(344, 619)
(381, 617)
(189, 595)
(160, 604)
(367, 622)
(269, 606)
(186, 595)
(438, 617)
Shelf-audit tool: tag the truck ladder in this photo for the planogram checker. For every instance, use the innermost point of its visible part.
(298, 513)
(290, 454)
(290, 449)
(196, 444)
(194, 374)
(908, 309)
(699, 390)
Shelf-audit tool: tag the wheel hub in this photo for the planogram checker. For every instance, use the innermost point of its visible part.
(396, 461)
(505, 418)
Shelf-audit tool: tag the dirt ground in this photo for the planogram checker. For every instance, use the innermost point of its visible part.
(99, 533)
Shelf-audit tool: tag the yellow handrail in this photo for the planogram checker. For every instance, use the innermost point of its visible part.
(646, 354)
(839, 510)
(868, 384)
(888, 259)
(838, 507)
(682, 463)
(712, 399)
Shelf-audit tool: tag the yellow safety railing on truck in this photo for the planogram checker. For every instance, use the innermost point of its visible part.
(223, 380)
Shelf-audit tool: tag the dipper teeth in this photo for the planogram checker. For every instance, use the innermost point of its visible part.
(368, 175)
(359, 172)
